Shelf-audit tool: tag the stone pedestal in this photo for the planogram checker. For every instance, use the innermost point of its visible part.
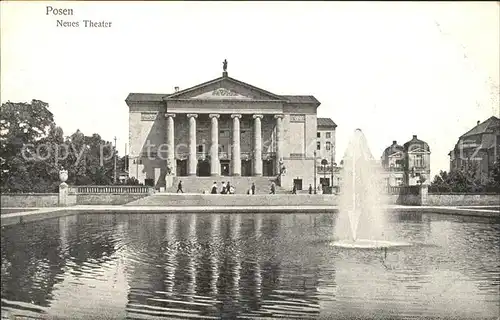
(424, 191)
(63, 194)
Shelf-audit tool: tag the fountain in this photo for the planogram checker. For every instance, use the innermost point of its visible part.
(362, 203)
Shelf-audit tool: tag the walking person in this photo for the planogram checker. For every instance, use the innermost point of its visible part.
(294, 190)
(310, 189)
(223, 190)
(253, 188)
(179, 187)
(228, 188)
(273, 188)
(214, 188)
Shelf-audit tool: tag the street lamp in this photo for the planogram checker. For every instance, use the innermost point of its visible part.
(324, 163)
(314, 171)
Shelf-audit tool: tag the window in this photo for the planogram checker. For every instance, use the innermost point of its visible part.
(419, 161)
(328, 135)
(399, 181)
(200, 148)
(318, 135)
(318, 145)
(328, 145)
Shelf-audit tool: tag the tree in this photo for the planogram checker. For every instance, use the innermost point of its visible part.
(33, 150)
(90, 161)
(465, 179)
(24, 127)
(494, 182)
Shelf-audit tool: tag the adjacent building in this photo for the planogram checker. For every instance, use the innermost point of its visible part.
(226, 127)
(325, 151)
(408, 164)
(478, 147)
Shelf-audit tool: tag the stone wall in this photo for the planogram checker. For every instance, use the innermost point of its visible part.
(434, 199)
(26, 200)
(107, 199)
(179, 200)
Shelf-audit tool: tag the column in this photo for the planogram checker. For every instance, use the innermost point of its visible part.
(257, 146)
(214, 148)
(193, 161)
(235, 155)
(170, 143)
(279, 141)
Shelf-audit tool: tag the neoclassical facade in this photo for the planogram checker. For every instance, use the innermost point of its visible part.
(223, 127)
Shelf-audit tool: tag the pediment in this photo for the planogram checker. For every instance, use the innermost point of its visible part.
(225, 88)
(222, 93)
(397, 154)
(417, 150)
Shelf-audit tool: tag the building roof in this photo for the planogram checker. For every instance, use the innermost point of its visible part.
(393, 148)
(325, 123)
(146, 97)
(159, 97)
(301, 99)
(489, 125)
(416, 143)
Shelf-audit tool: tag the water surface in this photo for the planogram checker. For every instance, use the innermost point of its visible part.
(247, 266)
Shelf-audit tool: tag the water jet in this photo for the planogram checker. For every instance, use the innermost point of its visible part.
(361, 220)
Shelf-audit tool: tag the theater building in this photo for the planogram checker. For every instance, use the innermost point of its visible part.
(224, 127)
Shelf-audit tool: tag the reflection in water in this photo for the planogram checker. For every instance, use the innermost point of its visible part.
(247, 266)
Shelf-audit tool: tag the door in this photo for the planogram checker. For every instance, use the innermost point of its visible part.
(246, 168)
(203, 168)
(181, 168)
(267, 168)
(224, 168)
(298, 184)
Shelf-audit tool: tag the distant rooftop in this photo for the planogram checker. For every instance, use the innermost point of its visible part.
(326, 123)
(486, 126)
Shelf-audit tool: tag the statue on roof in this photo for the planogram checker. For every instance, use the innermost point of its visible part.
(224, 65)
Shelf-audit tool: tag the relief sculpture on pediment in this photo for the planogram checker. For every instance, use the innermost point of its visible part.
(223, 92)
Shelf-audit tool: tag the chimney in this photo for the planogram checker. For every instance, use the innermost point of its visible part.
(478, 122)
(414, 136)
(176, 89)
(394, 142)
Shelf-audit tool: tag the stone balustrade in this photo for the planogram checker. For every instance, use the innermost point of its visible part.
(109, 189)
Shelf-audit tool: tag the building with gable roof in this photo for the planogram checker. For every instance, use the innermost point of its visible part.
(479, 147)
(226, 127)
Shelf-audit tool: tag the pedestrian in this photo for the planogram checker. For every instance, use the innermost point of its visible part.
(223, 190)
(231, 190)
(310, 189)
(253, 188)
(228, 188)
(294, 190)
(179, 187)
(273, 188)
(320, 190)
(214, 188)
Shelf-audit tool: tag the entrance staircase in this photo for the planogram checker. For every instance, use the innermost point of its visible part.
(199, 185)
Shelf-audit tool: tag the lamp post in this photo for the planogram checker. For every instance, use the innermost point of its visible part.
(331, 177)
(114, 164)
(314, 171)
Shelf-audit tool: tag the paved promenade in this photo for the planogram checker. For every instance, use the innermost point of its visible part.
(33, 214)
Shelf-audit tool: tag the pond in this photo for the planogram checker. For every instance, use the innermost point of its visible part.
(247, 266)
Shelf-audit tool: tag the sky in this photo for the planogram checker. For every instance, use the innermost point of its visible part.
(392, 69)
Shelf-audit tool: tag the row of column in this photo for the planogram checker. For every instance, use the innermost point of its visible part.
(214, 147)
